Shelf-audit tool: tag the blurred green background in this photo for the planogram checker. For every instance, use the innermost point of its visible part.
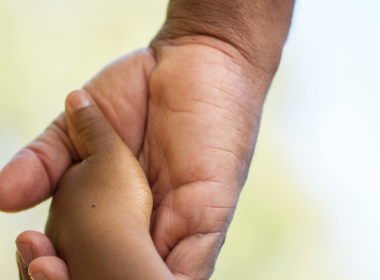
(309, 208)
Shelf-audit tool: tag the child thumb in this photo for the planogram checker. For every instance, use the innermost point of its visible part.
(88, 125)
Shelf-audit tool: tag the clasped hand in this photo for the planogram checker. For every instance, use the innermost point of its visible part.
(189, 115)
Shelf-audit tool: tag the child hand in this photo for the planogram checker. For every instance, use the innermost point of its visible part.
(100, 215)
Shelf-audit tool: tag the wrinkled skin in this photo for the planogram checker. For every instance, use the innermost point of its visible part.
(190, 113)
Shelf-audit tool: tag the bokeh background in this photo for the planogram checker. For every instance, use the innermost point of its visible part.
(310, 209)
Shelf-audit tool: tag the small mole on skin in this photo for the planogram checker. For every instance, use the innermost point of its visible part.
(93, 205)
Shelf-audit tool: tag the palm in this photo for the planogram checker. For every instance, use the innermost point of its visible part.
(196, 153)
(189, 121)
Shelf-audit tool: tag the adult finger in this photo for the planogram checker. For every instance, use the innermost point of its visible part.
(121, 92)
(31, 176)
(189, 231)
(187, 263)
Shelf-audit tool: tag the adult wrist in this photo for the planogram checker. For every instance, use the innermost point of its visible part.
(257, 29)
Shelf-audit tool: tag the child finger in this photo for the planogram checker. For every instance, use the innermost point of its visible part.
(89, 124)
(31, 245)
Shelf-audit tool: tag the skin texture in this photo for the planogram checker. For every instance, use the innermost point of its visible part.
(189, 109)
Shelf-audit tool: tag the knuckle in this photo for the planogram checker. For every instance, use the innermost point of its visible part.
(90, 125)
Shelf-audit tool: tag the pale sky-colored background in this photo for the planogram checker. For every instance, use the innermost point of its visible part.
(310, 209)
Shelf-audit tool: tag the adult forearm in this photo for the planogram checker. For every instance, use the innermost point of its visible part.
(256, 28)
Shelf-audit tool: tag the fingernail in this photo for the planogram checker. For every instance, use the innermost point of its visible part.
(79, 99)
(38, 276)
(26, 253)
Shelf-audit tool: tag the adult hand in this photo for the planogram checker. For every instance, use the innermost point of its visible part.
(190, 112)
(196, 150)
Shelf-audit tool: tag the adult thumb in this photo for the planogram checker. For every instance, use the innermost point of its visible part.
(89, 130)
